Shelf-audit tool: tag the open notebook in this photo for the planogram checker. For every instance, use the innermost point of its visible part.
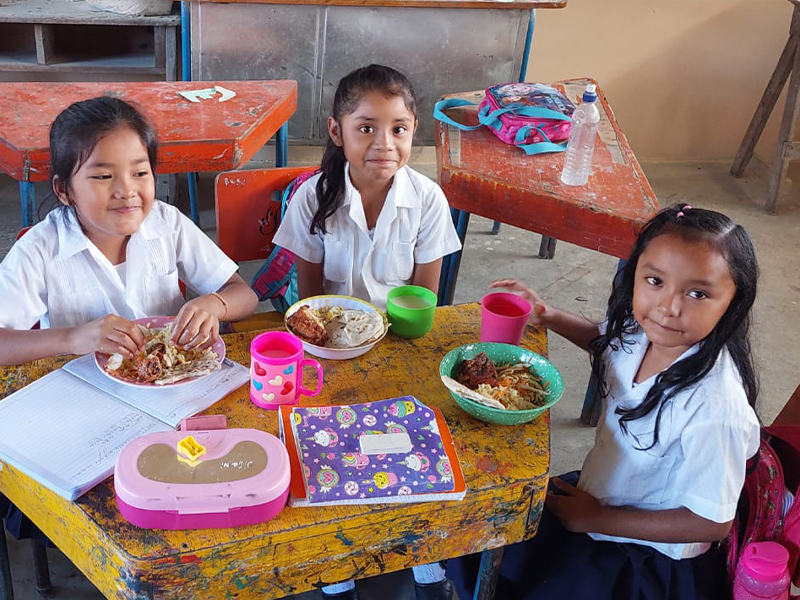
(396, 450)
(66, 429)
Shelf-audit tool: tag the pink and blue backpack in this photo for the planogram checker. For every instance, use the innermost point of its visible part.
(761, 515)
(276, 280)
(532, 116)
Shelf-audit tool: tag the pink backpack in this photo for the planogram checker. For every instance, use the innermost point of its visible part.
(532, 116)
(775, 466)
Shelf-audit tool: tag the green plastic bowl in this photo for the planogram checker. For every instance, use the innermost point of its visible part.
(411, 321)
(503, 354)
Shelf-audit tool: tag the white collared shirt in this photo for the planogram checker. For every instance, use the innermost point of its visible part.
(55, 275)
(706, 434)
(414, 227)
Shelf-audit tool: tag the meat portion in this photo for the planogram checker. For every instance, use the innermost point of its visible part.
(476, 371)
(308, 326)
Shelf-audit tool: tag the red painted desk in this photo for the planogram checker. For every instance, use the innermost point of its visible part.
(482, 175)
(194, 136)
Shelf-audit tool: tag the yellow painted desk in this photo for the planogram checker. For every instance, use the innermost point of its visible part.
(505, 468)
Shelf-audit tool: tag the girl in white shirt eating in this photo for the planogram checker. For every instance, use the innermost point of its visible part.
(662, 482)
(368, 222)
(111, 253)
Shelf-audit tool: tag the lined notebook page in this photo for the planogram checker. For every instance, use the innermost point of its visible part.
(66, 434)
(170, 404)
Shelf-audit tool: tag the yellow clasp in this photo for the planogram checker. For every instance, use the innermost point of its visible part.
(189, 448)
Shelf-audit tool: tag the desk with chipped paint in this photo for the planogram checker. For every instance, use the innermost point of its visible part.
(193, 136)
(481, 174)
(506, 471)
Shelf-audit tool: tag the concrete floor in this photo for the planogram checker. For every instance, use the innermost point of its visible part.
(578, 280)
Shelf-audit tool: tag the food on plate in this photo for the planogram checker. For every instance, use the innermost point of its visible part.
(515, 387)
(160, 362)
(336, 327)
(306, 324)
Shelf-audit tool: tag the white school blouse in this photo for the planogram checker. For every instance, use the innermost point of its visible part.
(414, 226)
(54, 274)
(706, 435)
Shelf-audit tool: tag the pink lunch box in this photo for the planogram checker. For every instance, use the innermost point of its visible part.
(202, 476)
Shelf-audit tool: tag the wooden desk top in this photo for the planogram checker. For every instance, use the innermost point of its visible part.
(482, 175)
(194, 136)
(506, 471)
(494, 4)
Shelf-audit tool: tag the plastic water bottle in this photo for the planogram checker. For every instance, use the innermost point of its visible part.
(582, 133)
(762, 572)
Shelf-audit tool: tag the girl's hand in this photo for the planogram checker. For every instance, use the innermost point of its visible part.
(196, 326)
(108, 334)
(539, 310)
(578, 511)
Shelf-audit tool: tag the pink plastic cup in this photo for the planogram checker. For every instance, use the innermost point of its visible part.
(503, 317)
(276, 369)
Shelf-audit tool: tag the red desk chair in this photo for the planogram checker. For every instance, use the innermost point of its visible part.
(248, 211)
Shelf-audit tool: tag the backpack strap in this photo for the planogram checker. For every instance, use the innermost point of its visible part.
(442, 105)
(277, 277)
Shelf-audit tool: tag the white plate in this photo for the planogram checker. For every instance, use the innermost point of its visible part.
(101, 359)
(345, 302)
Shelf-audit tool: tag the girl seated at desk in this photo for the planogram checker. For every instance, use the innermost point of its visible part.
(368, 222)
(663, 480)
(109, 254)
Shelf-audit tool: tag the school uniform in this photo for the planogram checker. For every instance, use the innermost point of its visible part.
(706, 434)
(414, 227)
(55, 275)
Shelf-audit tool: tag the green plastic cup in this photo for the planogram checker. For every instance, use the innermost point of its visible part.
(410, 309)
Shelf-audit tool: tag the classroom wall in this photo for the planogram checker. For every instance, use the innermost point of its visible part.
(683, 76)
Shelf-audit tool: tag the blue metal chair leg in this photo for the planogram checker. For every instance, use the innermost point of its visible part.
(282, 146)
(191, 179)
(447, 288)
(487, 576)
(27, 200)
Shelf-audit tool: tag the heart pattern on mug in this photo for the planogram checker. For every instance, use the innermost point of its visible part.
(258, 369)
(287, 387)
(277, 381)
(268, 397)
(289, 370)
(258, 385)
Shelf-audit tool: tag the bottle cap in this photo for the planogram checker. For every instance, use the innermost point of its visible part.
(590, 95)
(765, 561)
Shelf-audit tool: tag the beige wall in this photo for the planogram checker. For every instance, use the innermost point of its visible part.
(683, 76)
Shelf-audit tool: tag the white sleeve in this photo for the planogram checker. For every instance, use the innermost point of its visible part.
(437, 235)
(294, 233)
(23, 291)
(201, 264)
(712, 475)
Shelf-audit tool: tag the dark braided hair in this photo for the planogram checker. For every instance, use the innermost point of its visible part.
(731, 332)
(351, 89)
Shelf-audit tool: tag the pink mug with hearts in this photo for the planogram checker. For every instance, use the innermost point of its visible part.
(276, 369)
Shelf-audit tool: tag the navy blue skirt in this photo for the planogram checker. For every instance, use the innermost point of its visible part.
(559, 564)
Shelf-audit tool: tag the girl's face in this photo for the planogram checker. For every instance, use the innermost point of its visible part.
(680, 292)
(376, 137)
(113, 190)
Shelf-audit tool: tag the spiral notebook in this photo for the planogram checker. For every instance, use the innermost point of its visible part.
(395, 450)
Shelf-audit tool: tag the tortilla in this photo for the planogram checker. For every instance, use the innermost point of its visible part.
(351, 328)
(463, 390)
